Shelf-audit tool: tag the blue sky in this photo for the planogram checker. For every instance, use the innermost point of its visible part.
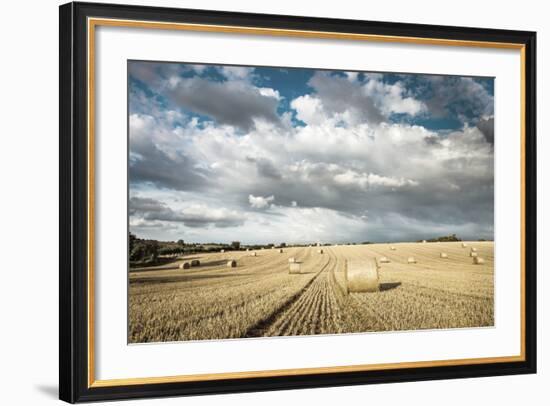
(305, 155)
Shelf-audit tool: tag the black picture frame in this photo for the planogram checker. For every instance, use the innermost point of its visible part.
(74, 385)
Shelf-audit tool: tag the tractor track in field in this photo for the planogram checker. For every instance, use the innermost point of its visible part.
(260, 328)
(315, 312)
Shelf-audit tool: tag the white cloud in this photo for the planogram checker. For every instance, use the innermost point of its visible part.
(236, 72)
(260, 202)
(308, 225)
(390, 98)
(309, 109)
(365, 180)
(268, 92)
(352, 76)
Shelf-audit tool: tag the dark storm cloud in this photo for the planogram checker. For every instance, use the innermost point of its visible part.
(460, 97)
(176, 171)
(487, 127)
(432, 140)
(153, 210)
(448, 199)
(265, 168)
(234, 103)
(339, 94)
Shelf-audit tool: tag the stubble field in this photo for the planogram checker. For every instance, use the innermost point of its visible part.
(260, 298)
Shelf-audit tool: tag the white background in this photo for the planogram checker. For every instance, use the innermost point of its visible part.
(29, 221)
(115, 359)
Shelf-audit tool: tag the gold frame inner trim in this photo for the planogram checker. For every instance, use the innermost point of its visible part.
(94, 22)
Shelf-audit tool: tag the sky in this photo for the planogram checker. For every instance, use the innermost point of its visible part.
(270, 155)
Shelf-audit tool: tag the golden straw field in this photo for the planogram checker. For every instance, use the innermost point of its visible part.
(259, 297)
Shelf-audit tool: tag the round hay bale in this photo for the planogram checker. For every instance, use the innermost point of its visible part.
(195, 262)
(320, 251)
(384, 260)
(411, 260)
(443, 255)
(464, 245)
(361, 276)
(392, 248)
(292, 260)
(280, 251)
(254, 254)
(478, 260)
(231, 263)
(222, 251)
(424, 241)
(294, 267)
(473, 254)
(473, 249)
(185, 265)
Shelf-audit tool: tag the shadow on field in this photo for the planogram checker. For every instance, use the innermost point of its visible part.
(155, 268)
(389, 286)
(181, 278)
(177, 265)
(215, 263)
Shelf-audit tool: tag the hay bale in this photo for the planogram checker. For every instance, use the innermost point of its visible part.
(473, 249)
(185, 265)
(473, 254)
(280, 251)
(464, 245)
(195, 262)
(361, 276)
(411, 260)
(231, 263)
(478, 260)
(320, 251)
(384, 260)
(443, 255)
(248, 249)
(222, 251)
(292, 260)
(392, 248)
(254, 254)
(424, 241)
(294, 267)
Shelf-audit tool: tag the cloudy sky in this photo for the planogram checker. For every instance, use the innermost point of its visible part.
(260, 155)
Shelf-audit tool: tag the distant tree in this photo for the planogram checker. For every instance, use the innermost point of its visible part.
(181, 242)
(154, 251)
(283, 244)
(138, 251)
(235, 245)
(131, 242)
(445, 238)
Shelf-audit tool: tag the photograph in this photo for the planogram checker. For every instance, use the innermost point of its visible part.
(294, 201)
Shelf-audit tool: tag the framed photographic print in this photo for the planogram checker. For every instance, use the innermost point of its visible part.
(257, 202)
